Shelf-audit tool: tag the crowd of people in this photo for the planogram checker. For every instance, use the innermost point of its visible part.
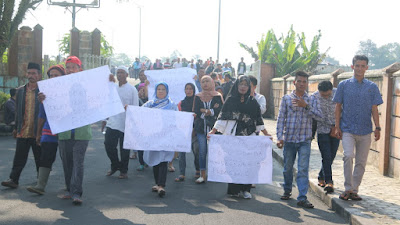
(225, 105)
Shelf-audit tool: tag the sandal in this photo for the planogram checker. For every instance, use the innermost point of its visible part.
(171, 168)
(345, 196)
(286, 196)
(154, 188)
(355, 197)
(321, 183)
(180, 179)
(111, 172)
(329, 188)
(134, 156)
(197, 175)
(161, 192)
(200, 180)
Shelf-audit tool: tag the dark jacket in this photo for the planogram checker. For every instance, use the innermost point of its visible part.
(9, 111)
(208, 121)
(20, 108)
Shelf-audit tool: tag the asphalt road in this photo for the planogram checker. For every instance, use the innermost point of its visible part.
(108, 200)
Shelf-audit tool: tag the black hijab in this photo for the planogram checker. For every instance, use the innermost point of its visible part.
(247, 113)
(187, 103)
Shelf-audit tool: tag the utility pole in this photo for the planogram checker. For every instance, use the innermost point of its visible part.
(74, 5)
(219, 26)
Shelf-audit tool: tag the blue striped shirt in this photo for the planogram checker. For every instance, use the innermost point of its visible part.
(295, 123)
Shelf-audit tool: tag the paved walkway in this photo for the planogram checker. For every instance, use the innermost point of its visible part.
(381, 201)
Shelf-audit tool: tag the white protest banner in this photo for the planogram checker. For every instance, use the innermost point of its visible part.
(159, 130)
(240, 159)
(79, 99)
(176, 80)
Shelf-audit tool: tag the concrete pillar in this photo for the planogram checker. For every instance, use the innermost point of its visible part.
(13, 56)
(386, 116)
(37, 44)
(74, 42)
(96, 42)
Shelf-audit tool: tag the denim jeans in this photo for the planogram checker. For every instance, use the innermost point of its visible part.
(290, 151)
(182, 157)
(328, 147)
(202, 138)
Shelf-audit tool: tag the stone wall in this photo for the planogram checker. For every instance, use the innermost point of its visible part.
(385, 153)
(85, 42)
(26, 47)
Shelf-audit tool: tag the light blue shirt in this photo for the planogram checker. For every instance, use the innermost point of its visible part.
(357, 100)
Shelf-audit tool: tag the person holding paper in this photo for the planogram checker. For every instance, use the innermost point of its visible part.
(240, 116)
(27, 109)
(186, 105)
(207, 105)
(47, 140)
(116, 126)
(159, 159)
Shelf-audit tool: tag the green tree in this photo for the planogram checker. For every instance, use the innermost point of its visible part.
(11, 19)
(175, 54)
(106, 49)
(289, 53)
(382, 56)
(121, 59)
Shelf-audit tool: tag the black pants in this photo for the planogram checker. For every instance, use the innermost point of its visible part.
(21, 156)
(112, 138)
(234, 189)
(160, 173)
(141, 161)
(48, 154)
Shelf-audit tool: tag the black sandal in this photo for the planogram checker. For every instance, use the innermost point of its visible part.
(345, 196)
(355, 197)
(286, 196)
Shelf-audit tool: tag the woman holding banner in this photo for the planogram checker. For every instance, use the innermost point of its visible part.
(240, 116)
(207, 105)
(159, 159)
(186, 105)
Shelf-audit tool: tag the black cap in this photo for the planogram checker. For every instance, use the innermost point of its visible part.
(33, 65)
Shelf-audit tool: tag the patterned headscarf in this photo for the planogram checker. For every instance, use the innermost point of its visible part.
(164, 103)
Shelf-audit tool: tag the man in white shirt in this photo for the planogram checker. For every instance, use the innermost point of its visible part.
(177, 64)
(259, 97)
(116, 126)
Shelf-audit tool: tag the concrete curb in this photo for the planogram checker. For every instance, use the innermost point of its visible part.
(331, 200)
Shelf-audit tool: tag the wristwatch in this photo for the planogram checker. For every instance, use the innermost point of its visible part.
(378, 128)
(307, 107)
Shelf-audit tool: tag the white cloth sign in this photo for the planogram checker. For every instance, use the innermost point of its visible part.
(79, 99)
(158, 130)
(176, 80)
(240, 159)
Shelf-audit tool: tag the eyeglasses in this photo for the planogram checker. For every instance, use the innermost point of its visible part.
(244, 85)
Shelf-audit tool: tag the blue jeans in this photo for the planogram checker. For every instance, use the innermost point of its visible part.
(328, 147)
(182, 157)
(202, 138)
(289, 156)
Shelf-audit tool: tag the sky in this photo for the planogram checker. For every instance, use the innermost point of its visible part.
(191, 26)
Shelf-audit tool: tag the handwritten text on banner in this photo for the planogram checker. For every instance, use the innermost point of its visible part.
(80, 99)
(158, 130)
(240, 159)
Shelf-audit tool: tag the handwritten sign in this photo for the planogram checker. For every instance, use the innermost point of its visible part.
(159, 130)
(79, 99)
(176, 80)
(240, 159)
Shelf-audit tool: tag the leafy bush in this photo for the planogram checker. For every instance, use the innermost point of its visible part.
(3, 98)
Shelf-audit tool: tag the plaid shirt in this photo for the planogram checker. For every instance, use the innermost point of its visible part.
(295, 123)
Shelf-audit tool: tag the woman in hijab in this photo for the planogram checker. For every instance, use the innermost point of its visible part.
(159, 159)
(186, 105)
(240, 116)
(207, 105)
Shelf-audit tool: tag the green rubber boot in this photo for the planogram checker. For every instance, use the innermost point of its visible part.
(42, 181)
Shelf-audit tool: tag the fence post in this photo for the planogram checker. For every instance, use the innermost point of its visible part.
(387, 95)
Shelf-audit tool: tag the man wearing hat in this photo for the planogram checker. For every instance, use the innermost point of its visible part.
(116, 126)
(47, 140)
(27, 110)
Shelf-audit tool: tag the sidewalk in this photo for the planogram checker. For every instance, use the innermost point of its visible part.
(381, 199)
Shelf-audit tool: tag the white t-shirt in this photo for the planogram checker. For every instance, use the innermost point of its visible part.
(177, 65)
(129, 96)
(262, 102)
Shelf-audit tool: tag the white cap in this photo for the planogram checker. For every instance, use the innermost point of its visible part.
(124, 68)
